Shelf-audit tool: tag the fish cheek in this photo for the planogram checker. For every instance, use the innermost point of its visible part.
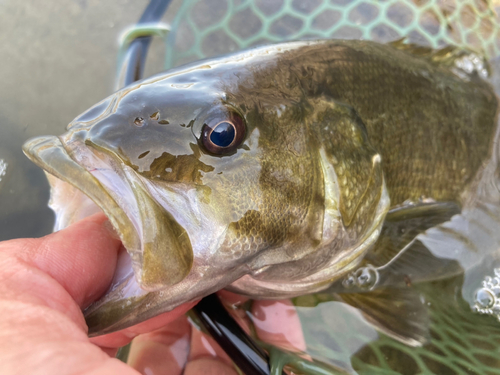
(287, 215)
(356, 163)
(180, 168)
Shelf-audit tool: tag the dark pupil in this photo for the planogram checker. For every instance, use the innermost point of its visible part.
(223, 134)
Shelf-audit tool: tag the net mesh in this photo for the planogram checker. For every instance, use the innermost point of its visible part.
(461, 342)
(212, 27)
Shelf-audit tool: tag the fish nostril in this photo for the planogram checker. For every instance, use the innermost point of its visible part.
(139, 121)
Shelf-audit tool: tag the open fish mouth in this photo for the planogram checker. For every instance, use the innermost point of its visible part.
(159, 252)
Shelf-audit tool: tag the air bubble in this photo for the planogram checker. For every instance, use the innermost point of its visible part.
(487, 298)
(348, 282)
(496, 291)
(365, 278)
(470, 64)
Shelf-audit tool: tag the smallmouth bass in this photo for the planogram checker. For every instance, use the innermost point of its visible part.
(283, 170)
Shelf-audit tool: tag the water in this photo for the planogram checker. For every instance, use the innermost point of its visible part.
(54, 68)
(58, 59)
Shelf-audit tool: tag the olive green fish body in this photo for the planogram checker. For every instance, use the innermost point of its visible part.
(271, 171)
(433, 127)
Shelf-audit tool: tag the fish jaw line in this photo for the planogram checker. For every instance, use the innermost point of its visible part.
(96, 174)
(99, 177)
(92, 177)
(107, 172)
(198, 219)
(163, 255)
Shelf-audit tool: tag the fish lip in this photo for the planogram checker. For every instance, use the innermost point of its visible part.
(50, 154)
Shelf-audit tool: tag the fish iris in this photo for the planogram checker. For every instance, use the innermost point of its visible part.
(223, 135)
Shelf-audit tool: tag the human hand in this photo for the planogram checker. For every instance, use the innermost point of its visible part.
(44, 284)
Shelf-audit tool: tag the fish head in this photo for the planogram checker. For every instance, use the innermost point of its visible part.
(209, 179)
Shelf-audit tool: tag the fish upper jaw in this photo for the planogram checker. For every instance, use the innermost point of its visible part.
(162, 253)
(50, 154)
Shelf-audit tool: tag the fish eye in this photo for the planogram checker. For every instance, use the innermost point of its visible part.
(223, 136)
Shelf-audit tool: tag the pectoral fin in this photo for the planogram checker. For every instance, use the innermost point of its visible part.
(381, 286)
(403, 224)
(398, 313)
(398, 258)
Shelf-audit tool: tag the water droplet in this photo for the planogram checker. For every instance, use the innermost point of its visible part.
(3, 168)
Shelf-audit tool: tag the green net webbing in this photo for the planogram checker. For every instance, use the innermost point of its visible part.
(461, 342)
(212, 27)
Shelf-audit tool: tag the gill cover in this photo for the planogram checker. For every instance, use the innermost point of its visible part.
(356, 163)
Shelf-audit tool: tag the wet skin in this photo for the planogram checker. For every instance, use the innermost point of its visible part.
(321, 140)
